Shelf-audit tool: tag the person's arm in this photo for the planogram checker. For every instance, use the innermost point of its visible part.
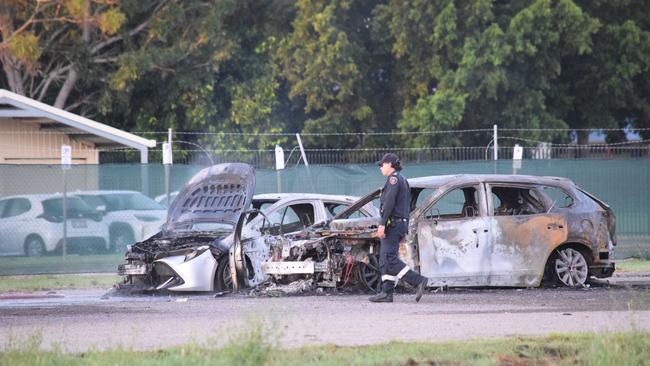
(390, 194)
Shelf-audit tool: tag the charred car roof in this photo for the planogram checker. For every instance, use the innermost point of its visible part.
(441, 180)
(436, 181)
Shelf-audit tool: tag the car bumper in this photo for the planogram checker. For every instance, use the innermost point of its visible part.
(602, 270)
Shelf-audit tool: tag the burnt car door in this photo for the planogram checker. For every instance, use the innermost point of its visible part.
(452, 236)
(524, 232)
(262, 233)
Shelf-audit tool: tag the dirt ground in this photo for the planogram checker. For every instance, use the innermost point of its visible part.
(79, 320)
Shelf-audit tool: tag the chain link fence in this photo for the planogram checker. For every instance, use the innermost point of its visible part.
(265, 159)
(80, 219)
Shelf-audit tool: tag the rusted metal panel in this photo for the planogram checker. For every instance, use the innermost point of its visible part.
(522, 245)
(455, 249)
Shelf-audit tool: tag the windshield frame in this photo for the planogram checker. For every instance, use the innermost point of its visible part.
(358, 205)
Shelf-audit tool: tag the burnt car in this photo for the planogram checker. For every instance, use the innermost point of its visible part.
(215, 208)
(464, 230)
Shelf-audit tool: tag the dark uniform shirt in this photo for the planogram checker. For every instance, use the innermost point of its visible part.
(395, 198)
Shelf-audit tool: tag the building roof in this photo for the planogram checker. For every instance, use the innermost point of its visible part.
(16, 106)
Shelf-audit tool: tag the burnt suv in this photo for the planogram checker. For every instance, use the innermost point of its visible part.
(464, 230)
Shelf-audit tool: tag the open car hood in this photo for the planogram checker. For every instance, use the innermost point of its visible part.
(219, 193)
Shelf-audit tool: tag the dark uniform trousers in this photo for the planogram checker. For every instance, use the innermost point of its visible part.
(391, 267)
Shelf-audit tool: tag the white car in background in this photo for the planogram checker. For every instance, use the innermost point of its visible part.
(162, 199)
(129, 215)
(32, 225)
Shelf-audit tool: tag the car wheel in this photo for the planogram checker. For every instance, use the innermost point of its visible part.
(34, 247)
(369, 273)
(570, 267)
(120, 238)
(223, 278)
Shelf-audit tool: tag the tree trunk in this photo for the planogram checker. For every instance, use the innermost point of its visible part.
(583, 139)
(73, 75)
(67, 87)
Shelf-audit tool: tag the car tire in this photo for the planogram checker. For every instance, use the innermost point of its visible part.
(34, 246)
(569, 267)
(369, 274)
(120, 238)
(223, 278)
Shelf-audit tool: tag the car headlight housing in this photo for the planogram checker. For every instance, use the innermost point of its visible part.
(196, 252)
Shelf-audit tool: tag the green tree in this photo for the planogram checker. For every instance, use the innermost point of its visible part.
(476, 63)
(50, 47)
(608, 88)
(326, 62)
(206, 69)
(243, 70)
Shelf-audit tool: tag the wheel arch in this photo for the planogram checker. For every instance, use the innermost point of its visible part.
(582, 247)
(578, 245)
(34, 236)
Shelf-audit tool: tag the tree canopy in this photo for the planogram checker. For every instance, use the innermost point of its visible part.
(331, 66)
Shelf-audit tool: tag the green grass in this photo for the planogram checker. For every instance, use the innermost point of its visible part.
(56, 282)
(59, 264)
(633, 265)
(255, 347)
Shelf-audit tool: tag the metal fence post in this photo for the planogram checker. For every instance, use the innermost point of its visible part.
(302, 150)
(167, 161)
(66, 161)
(495, 155)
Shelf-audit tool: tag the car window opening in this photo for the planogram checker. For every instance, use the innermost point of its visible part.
(456, 204)
(509, 201)
(291, 219)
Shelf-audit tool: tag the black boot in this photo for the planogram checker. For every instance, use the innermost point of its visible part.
(382, 297)
(420, 289)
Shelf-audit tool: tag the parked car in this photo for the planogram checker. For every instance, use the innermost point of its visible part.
(191, 253)
(129, 215)
(32, 225)
(163, 199)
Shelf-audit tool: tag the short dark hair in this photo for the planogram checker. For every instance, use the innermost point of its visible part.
(397, 165)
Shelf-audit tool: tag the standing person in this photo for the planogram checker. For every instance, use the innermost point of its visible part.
(394, 208)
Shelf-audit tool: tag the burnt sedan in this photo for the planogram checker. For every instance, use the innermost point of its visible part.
(464, 230)
(213, 210)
